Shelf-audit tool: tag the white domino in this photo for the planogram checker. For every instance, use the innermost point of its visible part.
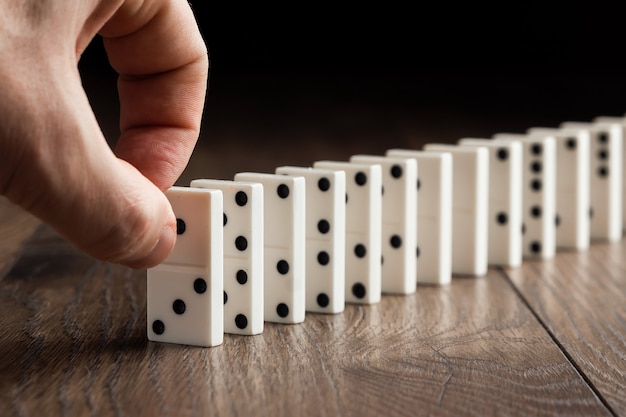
(572, 186)
(399, 221)
(470, 207)
(434, 214)
(325, 237)
(185, 292)
(363, 230)
(505, 201)
(622, 122)
(243, 254)
(605, 178)
(539, 194)
(284, 245)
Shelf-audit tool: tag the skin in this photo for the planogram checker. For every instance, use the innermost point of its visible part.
(55, 162)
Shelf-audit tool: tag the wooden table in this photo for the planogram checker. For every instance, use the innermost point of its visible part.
(548, 338)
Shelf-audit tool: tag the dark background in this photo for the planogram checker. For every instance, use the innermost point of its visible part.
(321, 80)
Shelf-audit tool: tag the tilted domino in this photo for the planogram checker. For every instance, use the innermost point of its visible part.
(399, 221)
(505, 200)
(470, 207)
(539, 189)
(284, 245)
(605, 178)
(622, 122)
(434, 214)
(572, 186)
(185, 292)
(363, 230)
(325, 237)
(243, 254)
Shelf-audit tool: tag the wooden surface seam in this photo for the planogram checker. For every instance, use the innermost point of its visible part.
(556, 341)
(580, 298)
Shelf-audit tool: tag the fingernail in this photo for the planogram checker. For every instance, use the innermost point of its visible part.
(162, 249)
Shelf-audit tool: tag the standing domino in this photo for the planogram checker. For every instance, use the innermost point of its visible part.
(572, 186)
(505, 200)
(434, 214)
(399, 221)
(605, 178)
(470, 207)
(184, 295)
(363, 230)
(539, 189)
(243, 254)
(284, 242)
(325, 237)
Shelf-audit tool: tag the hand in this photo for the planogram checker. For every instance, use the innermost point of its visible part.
(54, 160)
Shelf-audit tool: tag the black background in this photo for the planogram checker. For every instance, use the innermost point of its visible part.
(389, 73)
(432, 37)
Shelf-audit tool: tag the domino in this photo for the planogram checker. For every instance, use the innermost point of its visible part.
(284, 245)
(572, 186)
(505, 201)
(399, 221)
(605, 178)
(470, 204)
(363, 230)
(539, 189)
(621, 121)
(243, 254)
(325, 237)
(434, 214)
(184, 293)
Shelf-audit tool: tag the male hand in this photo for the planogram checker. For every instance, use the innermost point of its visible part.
(54, 160)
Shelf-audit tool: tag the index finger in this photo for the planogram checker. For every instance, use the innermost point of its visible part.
(161, 58)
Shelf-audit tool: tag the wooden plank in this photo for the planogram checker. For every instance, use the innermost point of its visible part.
(16, 226)
(73, 343)
(581, 299)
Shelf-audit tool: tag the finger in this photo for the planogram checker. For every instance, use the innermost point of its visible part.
(158, 51)
(57, 165)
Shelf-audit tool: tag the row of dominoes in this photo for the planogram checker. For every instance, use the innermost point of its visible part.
(268, 247)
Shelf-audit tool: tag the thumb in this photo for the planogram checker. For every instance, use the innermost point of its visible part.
(130, 220)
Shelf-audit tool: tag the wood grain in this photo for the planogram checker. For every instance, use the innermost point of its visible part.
(16, 226)
(581, 299)
(73, 342)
